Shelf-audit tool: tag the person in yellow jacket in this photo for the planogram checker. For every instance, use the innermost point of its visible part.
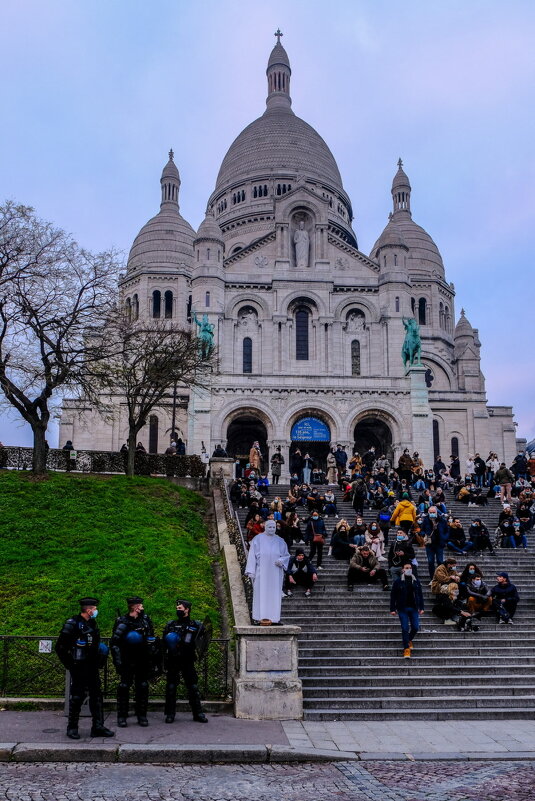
(404, 515)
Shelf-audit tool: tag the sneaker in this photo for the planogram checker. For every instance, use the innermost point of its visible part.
(319, 567)
(336, 516)
(142, 721)
(449, 622)
(385, 587)
(289, 593)
(330, 552)
(73, 734)
(407, 653)
(307, 594)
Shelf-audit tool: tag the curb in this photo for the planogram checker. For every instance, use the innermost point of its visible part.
(130, 753)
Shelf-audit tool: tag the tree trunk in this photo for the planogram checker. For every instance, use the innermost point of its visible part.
(131, 461)
(39, 451)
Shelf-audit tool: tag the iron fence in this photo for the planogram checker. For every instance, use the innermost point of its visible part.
(19, 458)
(30, 668)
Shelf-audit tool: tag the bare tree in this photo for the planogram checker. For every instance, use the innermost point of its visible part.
(147, 360)
(52, 292)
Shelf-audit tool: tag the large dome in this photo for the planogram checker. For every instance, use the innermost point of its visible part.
(279, 142)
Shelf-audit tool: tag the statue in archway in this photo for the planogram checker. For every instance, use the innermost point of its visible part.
(411, 352)
(302, 246)
(206, 335)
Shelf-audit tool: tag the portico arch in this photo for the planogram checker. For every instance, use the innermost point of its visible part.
(243, 427)
(374, 429)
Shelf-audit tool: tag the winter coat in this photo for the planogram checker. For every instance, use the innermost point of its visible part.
(357, 561)
(436, 530)
(405, 510)
(398, 595)
(503, 476)
(441, 576)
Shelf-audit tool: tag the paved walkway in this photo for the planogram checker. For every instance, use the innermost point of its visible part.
(507, 739)
(345, 781)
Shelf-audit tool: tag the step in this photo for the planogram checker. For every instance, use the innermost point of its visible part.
(430, 713)
(381, 692)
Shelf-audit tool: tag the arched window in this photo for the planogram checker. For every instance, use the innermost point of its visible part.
(441, 315)
(395, 259)
(355, 357)
(247, 355)
(168, 304)
(135, 307)
(207, 299)
(447, 319)
(301, 333)
(413, 307)
(454, 446)
(422, 311)
(128, 308)
(397, 304)
(436, 439)
(156, 303)
(153, 434)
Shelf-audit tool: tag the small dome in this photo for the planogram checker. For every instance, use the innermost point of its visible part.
(400, 178)
(278, 56)
(391, 236)
(165, 241)
(463, 327)
(422, 250)
(209, 229)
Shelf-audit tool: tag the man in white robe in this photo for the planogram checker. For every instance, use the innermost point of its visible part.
(267, 561)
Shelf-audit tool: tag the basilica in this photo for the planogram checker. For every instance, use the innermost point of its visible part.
(309, 330)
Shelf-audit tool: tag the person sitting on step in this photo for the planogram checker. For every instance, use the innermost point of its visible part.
(505, 598)
(341, 546)
(300, 573)
(449, 607)
(445, 574)
(363, 569)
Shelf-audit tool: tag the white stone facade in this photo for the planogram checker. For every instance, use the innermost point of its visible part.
(312, 329)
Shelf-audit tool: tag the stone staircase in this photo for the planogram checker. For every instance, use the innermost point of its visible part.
(350, 652)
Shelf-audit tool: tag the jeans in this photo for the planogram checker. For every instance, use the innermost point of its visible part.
(479, 480)
(410, 623)
(513, 542)
(434, 553)
(306, 475)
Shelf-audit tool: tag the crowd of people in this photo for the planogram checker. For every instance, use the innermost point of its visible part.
(411, 516)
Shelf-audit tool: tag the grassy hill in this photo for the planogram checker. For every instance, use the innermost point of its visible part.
(68, 536)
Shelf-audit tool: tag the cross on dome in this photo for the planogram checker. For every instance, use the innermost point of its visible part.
(278, 33)
(171, 155)
(400, 163)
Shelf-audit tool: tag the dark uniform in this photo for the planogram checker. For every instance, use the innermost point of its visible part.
(179, 637)
(81, 652)
(132, 648)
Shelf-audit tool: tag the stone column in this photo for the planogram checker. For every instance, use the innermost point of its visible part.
(266, 683)
(422, 418)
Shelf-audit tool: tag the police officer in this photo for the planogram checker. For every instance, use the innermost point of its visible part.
(81, 652)
(179, 637)
(132, 645)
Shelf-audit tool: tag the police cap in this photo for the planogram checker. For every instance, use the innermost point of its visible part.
(88, 601)
(134, 599)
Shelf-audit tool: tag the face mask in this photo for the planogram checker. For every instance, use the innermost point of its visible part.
(452, 567)
(432, 514)
(314, 517)
(455, 595)
(180, 614)
(94, 614)
(477, 582)
(472, 572)
(399, 538)
(408, 572)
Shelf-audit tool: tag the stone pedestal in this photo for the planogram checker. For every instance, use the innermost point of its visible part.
(222, 463)
(422, 418)
(266, 684)
(199, 420)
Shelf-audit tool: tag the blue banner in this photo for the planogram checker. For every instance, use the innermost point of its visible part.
(310, 429)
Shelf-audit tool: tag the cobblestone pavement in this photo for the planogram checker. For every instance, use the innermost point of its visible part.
(370, 781)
